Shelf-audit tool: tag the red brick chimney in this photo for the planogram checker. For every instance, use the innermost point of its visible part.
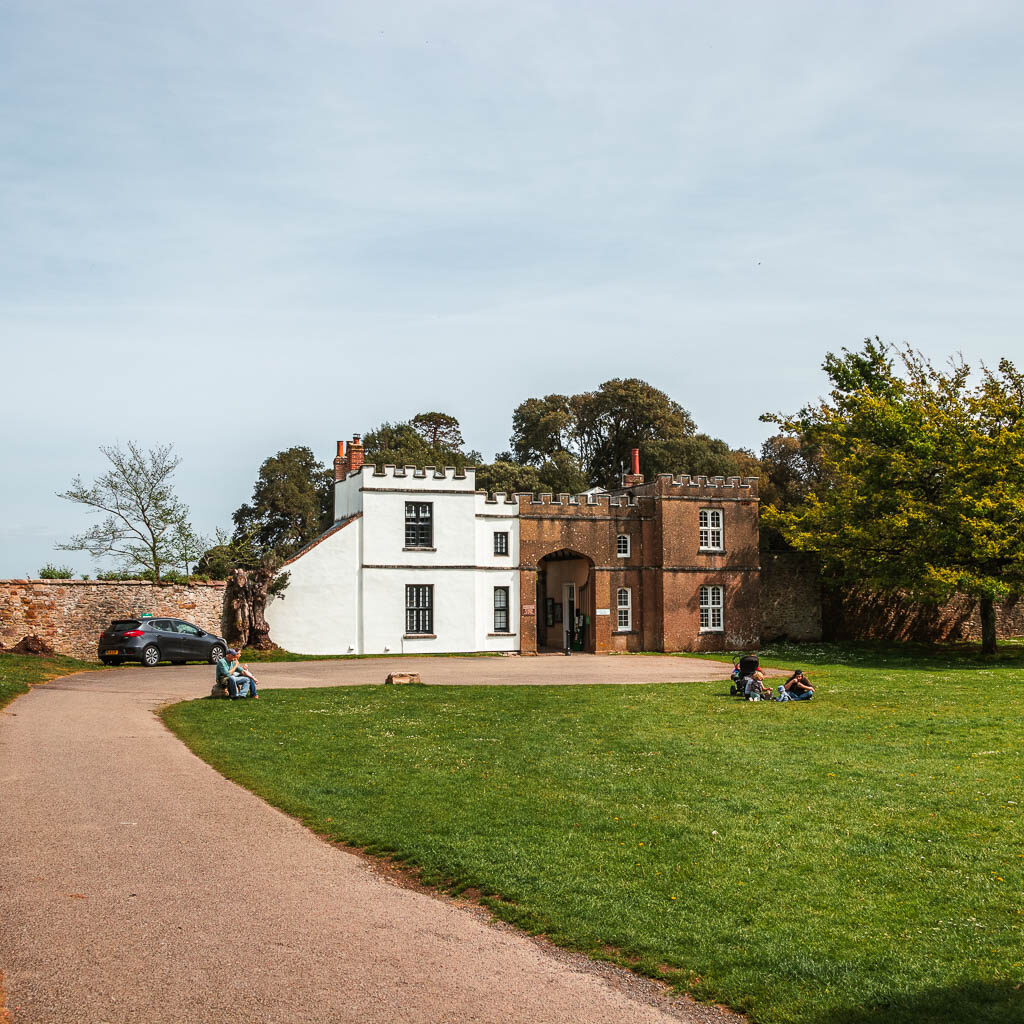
(355, 453)
(340, 463)
(634, 476)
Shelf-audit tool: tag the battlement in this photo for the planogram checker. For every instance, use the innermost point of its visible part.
(703, 486)
(499, 498)
(581, 502)
(401, 477)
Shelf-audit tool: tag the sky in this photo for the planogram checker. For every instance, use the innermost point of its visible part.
(237, 227)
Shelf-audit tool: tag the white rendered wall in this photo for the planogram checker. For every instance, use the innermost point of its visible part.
(348, 499)
(319, 612)
(460, 565)
(347, 594)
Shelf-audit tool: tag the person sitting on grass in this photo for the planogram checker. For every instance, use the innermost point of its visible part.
(755, 688)
(798, 686)
(240, 682)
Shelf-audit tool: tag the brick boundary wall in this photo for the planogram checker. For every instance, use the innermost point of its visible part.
(791, 597)
(69, 615)
(862, 615)
(797, 605)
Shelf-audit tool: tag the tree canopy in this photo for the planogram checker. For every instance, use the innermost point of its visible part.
(146, 528)
(292, 503)
(428, 439)
(920, 477)
(595, 431)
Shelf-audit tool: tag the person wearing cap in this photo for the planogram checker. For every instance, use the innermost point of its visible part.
(235, 676)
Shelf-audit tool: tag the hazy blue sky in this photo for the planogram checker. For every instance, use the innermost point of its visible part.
(242, 226)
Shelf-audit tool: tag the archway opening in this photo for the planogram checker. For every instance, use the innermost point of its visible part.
(565, 602)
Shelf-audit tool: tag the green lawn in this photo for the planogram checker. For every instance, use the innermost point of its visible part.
(856, 858)
(17, 671)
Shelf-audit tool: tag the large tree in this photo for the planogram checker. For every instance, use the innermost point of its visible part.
(921, 483)
(292, 503)
(596, 430)
(428, 439)
(145, 529)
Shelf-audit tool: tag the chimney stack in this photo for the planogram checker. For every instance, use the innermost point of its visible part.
(340, 463)
(634, 476)
(355, 453)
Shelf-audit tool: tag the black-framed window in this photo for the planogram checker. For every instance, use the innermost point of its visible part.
(419, 608)
(501, 543)
(419, 524)
(501, 610)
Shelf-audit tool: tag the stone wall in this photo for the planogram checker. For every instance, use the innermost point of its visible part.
(797, 606)
(791, 597)
(861, 615)
(69, 615)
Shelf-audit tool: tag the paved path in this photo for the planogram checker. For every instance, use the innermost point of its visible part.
(138, 885)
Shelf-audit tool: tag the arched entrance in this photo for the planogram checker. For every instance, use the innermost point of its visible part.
(565, 602)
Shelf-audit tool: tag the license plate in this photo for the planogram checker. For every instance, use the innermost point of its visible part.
(114, 651)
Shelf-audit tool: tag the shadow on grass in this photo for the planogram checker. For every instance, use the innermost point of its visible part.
(974, 1002)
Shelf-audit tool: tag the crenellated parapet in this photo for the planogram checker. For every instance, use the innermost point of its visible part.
(420, 472)
(575, 504)
(734, 487)
(386, 477)
(498, 498)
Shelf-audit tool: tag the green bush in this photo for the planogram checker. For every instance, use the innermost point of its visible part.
(56, 572)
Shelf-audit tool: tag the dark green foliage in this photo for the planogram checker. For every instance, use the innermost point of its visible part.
(855, 858)
(921, 478)
(56, 572)
(292, 503)
(428, 439)
(558, 475)
(592, 435)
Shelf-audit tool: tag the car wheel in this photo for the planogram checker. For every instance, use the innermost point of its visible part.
(150, 656)
(216, 653)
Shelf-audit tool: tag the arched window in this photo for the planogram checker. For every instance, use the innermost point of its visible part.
(622, 545)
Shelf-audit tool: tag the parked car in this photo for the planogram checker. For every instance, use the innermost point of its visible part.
(151, 641)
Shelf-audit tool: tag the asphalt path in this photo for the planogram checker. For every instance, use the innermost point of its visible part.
(138, 885)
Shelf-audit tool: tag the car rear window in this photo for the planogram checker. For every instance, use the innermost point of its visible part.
(123, 625)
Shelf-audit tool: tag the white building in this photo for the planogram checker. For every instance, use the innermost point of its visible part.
(416, 562)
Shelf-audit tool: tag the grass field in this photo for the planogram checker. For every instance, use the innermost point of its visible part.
(17, 671)
(856, 858)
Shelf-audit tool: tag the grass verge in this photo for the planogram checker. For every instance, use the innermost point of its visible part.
(18, 671)
(852, 859)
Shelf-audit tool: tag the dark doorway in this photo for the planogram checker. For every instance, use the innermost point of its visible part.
(564, 602)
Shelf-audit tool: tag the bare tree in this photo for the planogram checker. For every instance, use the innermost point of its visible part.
(144, 517)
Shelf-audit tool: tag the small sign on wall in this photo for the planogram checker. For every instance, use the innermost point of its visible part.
(529, 609)
(603, 611)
